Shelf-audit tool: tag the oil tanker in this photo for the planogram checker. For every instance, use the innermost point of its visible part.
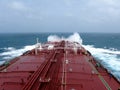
(62, 65)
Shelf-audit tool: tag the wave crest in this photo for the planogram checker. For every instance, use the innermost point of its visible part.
(72, 38)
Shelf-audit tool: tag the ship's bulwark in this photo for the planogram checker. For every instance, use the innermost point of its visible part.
(56, 66)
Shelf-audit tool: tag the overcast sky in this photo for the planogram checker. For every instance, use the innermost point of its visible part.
(59, 16)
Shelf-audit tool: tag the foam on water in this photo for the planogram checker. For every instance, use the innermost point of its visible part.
(2, 62)
(107, 57)
(11, 52)
(72, 38)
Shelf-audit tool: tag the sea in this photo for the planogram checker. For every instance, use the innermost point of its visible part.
(105, 47)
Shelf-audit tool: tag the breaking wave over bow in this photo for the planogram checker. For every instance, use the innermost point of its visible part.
(75, 37)
(109, 58)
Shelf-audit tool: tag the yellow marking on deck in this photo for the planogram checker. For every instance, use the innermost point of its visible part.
(99, 75)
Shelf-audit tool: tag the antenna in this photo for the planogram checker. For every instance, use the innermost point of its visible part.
(75, 48)
(37, 45)
(37, 39)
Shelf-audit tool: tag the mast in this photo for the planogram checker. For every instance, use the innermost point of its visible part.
(37, 45)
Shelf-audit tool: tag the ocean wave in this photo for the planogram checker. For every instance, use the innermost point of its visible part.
(107, 57)
(75, 37)
(12, 52)
(9, 48)
(2, 62)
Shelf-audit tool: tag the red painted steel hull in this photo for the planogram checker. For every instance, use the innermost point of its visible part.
(64, 67)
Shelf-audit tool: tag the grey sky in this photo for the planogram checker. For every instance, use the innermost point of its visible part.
(59, 16)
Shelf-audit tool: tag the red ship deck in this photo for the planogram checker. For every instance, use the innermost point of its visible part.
(57, 66)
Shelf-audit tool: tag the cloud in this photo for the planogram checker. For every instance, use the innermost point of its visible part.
(110, 2)
(101, 11)
(104, 4)
(68, 2)
(18, 5)
(64, 13)
(37, 17)
(69, 14)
